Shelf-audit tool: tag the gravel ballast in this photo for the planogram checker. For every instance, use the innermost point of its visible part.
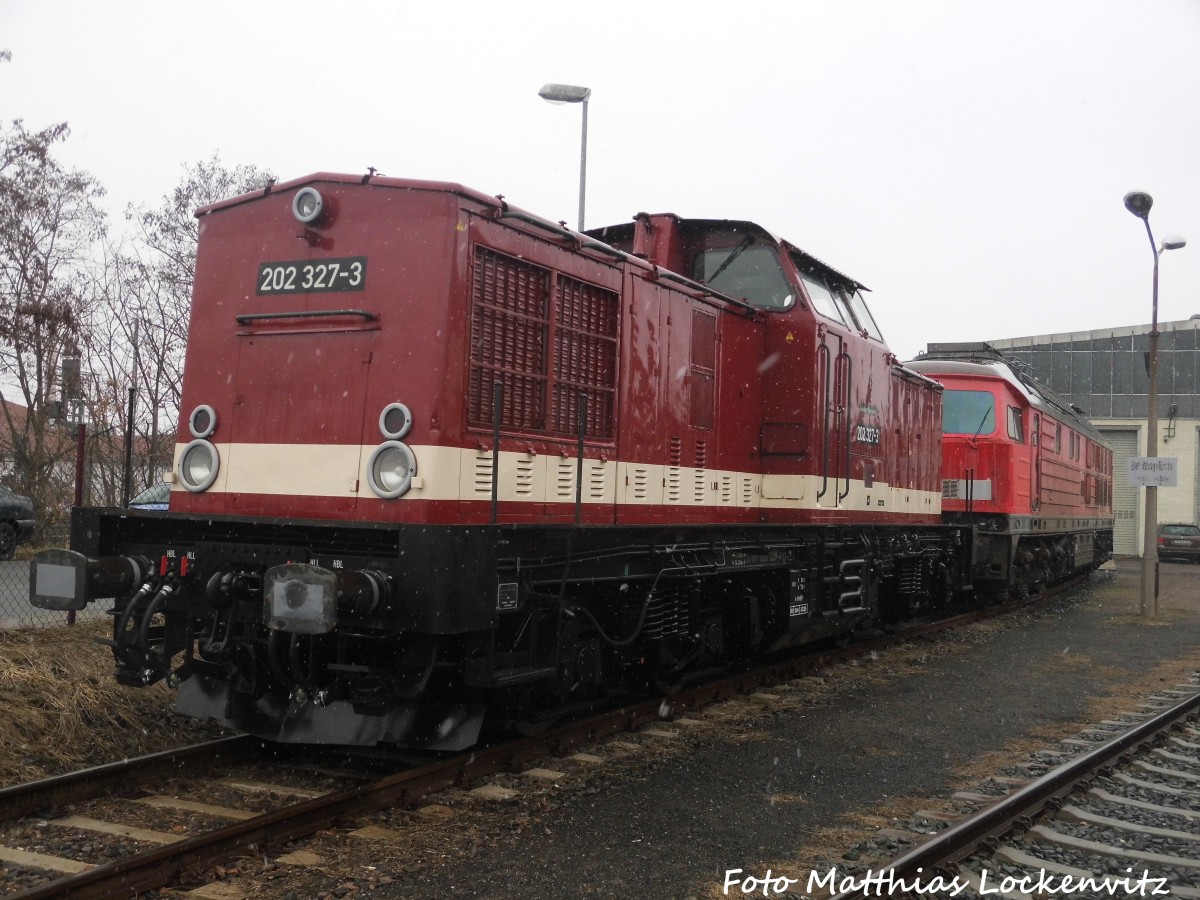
(771, 792)
(787, 782)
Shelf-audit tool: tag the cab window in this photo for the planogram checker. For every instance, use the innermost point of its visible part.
(968, 412)
(749, 270)
(859, 305)
(825, 301)
(1016, 425)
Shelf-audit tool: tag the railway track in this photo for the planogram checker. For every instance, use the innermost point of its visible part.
(209, 825)
(1116, 814)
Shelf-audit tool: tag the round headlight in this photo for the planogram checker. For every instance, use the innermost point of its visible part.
(391, 469)
(198, 465)
(203, 421)
(307, 205)
(394, 421)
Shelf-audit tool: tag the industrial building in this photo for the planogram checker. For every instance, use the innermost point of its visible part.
(1106, 373)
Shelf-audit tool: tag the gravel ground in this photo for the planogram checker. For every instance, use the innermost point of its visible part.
(776, 791)
(787, 784)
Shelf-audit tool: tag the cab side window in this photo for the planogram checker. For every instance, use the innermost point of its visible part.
(1016, 426)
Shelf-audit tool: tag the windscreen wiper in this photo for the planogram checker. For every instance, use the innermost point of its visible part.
(746, 242)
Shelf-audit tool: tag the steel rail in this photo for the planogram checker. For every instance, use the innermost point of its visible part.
(158, 867)
(59, 790)
(1018, 810)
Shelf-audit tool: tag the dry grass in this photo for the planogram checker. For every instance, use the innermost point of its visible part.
(61, 709)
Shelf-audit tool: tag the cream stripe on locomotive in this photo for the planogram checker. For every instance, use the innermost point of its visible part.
(453, 473)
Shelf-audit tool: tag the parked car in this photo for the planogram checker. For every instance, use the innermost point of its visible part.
(153, 497)
(1178, 541)
(16, 521)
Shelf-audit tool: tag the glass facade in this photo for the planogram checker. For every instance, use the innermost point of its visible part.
(1108, 374)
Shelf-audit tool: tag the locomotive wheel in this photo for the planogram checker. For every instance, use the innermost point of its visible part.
(532, 728)
(532, 713)
(665, 686)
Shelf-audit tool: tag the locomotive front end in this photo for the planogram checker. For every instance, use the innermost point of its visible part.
(304, 584)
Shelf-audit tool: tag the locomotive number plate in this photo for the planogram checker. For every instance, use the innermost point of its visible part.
(306, 276)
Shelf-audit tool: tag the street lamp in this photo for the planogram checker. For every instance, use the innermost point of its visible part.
(1139, 203)
(570, 93)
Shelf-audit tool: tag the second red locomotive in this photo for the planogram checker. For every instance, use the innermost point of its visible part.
(1023, 467)
(441, 458)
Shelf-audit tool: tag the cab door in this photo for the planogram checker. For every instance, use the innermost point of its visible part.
(835, 377)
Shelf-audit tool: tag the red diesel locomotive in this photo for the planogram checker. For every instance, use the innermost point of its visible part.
(1022, 466)
(440, 457)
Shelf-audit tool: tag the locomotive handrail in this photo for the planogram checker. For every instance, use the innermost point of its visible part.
(849, 383)
(823, 351)
(563, 232)
(697, 286)
(247, 318)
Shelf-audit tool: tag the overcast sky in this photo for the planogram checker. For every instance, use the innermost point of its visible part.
(965, 160)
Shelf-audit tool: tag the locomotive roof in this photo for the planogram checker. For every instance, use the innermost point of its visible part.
(412, 184)
(606, 234)
(975, 359)
(623, 232)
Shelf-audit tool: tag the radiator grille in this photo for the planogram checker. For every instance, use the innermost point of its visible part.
(585, 357)
(509, 324)
(546, 354)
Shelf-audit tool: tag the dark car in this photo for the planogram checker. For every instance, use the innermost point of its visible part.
(16, 521)
(154, 497)
(1179, 541)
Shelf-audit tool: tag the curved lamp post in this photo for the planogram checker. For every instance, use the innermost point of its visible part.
(571, 93)
(1139, 203)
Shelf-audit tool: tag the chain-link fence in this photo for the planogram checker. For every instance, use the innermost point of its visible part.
(15, 610)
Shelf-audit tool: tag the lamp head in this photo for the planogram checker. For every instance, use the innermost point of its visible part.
(1139, 203)
(564, 93)
(1174, 242)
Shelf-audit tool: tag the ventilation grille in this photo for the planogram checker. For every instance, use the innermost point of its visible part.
(585, 354)
(547, 354)
(564, 481)
(483, 473)
(509, 324)
(524, 476)
(639, 479)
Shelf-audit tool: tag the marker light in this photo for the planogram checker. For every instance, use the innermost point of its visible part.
(394, 421)
(307, 205)
(203, 421)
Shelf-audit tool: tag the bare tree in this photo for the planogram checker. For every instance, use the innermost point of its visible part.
(49, 224)
(142, 336)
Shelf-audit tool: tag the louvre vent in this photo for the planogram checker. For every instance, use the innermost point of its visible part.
(674, 484)
(483, 474)
(564, 481)
(640, 481)
(675, 449)
(525, 476)
(596, 482)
